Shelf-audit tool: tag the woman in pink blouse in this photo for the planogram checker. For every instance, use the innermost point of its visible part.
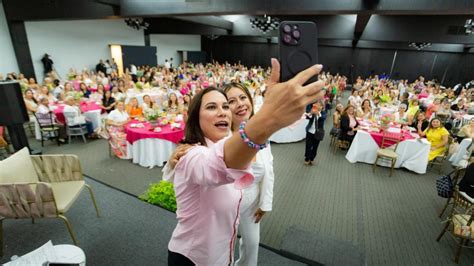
(208, 179)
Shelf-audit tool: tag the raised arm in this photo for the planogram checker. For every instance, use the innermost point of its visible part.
(284, 104)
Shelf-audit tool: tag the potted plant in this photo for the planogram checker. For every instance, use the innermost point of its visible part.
(161, 194)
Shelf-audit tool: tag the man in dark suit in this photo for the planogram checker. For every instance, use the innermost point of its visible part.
(314, 131)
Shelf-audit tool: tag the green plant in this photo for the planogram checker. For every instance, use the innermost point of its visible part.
(161, 194)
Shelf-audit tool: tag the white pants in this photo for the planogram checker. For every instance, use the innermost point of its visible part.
(249, 230)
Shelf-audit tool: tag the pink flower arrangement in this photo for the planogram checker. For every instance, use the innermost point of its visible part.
(387, 118)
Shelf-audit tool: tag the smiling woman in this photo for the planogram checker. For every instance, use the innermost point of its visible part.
(215, 166)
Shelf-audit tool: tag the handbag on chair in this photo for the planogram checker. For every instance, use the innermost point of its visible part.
(445, 186)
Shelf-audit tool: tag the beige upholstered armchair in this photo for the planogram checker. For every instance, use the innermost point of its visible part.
(40, 186)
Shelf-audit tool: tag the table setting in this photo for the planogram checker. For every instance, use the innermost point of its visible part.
(151, 141)
(412, 150)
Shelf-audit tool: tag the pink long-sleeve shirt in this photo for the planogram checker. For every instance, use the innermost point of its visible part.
(208, 196)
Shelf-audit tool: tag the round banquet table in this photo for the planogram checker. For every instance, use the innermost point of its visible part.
(148, 148)
(293, 133)
(412, 154)
(91, 110)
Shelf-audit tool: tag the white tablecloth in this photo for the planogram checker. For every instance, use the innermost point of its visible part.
(150, 152)
(93, 116)
(412, 154)
(293, 133)
(458, 156)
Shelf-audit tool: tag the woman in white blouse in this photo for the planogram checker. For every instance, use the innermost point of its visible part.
(258, 198)
(401, 117)
(355, 100)
(116, 121)
(30, 103)
(148, 105)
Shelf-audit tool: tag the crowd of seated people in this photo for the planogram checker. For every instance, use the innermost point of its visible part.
(159, 88)
(170, 90)
(427, 108)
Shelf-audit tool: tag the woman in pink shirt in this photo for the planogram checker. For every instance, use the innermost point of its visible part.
(208, 179)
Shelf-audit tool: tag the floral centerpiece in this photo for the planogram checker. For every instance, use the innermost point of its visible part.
(152, 117)
(385, 120)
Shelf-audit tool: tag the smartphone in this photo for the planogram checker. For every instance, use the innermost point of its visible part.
(298, 48)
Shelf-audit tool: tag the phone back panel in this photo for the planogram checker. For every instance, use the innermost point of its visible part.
(298, 48)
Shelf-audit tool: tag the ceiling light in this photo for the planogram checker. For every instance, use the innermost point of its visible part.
(265, 23)
(469, 26)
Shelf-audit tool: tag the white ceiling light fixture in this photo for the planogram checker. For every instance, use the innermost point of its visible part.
(137, 23)
(265, 23)
(469, 26)
(419, 45)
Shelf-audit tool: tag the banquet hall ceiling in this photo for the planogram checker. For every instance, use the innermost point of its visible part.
(371, 20)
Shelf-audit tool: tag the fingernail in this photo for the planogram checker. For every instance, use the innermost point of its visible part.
(319, 66)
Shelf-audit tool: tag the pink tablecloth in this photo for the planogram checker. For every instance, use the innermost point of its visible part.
(85, 107)
(377, 136)
(167, 133)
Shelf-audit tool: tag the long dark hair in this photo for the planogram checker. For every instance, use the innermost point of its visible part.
(193, 133)
(431, 123)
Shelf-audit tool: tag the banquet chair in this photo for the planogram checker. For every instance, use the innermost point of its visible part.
(459, 222)
(439, 160)
(341, 144)
(40, 186)
(456, 177)
(74, 129)
(48, 130)
(30, 125)
(4, 146)
(388, 151)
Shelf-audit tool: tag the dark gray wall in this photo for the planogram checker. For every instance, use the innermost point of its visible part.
(352, 62)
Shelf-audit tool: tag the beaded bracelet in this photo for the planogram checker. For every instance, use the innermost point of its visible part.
(246, 139)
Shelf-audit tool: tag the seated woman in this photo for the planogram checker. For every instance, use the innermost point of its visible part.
(365, 111)
(467, 131)
(413, 109)
(336, 120)
(420, 124)
(148, 105)
(173, 106)
(348, 124)
(108, 102)
(68, 90)
(44, 93)
(116, 121)
(85, 90)
(47, 118)
(32, 84)
(117, 94)
(73, 116)
(433, 108)
(438, 136)
(98, 94)
(133, 109)
(30, 103)
(401, 117)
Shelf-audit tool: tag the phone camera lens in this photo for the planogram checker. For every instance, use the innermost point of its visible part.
(296, 34)
(287, 28)
(286, 38)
